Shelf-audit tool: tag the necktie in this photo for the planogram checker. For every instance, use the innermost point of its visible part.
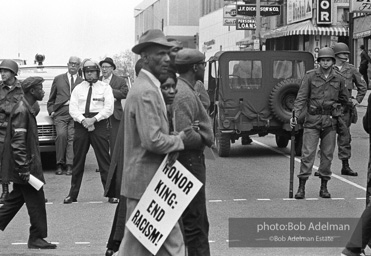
(72, 85)
(87, 106)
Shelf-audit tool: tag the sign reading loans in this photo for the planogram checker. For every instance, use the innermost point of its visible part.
(166, 197)
(245, 24)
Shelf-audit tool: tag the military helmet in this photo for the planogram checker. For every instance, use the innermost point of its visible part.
(326, 52)
(9, 65)
(341, 48)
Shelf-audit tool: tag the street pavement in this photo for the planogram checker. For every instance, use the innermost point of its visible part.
(252, 183)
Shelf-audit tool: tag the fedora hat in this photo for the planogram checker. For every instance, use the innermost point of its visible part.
(109, 61)
(150, 37)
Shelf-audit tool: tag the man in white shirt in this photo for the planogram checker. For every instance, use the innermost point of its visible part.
(91, 105)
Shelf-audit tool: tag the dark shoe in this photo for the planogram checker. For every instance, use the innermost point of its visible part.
(346, 169)
(59, 170)
(301, 190)
(96, 170)
(113, 200)
(69, 170)
(40, 243)
(110, 252)
(323, 190)
(69, 200)
(316, 174)
(346, 252)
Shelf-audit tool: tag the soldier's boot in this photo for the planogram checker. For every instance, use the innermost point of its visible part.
(301, 190)
(323, 192)
(345, 170)
(5, 193)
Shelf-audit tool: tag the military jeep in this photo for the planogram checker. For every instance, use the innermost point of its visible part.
(253, 92)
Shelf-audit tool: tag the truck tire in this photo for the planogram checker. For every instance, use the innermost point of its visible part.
(282, 98)
(223, 144)
(222, 141)
(282, 141)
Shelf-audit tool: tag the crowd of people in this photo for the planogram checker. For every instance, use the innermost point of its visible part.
(165, 114)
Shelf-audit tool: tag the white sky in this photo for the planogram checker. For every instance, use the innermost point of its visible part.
(61, 28)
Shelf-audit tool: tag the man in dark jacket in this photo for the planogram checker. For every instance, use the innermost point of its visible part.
(21, 159)
(323, 92)
(187, 110)
(58, 104)
(363, 66)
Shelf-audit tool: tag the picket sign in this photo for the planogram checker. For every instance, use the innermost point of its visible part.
(163, 202)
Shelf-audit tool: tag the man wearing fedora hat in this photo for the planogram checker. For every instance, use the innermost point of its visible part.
(147, 138)
(120, 90)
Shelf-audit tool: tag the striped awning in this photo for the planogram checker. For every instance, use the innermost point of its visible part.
(306, 28)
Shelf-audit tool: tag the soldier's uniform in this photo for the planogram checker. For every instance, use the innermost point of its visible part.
(351, 76)
(323, 98)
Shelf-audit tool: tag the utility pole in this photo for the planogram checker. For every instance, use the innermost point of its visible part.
(257, 22)
(351, 42)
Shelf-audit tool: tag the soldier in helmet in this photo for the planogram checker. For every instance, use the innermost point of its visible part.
(91, 104)
(351, 77)
(10, 93)
(323, 92)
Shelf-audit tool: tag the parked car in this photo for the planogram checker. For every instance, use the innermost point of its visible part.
(253, 92)
(45, 125)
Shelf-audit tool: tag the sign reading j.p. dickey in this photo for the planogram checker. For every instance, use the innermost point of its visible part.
(166, 197)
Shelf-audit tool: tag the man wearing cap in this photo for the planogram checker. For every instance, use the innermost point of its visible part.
(21, 159)
(147, 138)
(58, 109)
(120, 90)
(188, 109)
(91, 105)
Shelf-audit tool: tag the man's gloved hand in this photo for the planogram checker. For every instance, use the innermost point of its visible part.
(293, 122)
(24, 176)
(172, 157)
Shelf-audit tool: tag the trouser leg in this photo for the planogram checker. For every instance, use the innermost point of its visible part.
(81, 146)
(114, 127)
(194, 218)
(310, 143)
(362, 233)
(12, 205)
(35, 203)
(61, 139)
(328, 138)
(70, 137)
(344, 137)
(100, 143)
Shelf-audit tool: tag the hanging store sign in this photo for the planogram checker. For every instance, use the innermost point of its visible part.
(324, 15)
(298, 10)
(265, 10)
(245, 24)
(360, 6)
(230, 15)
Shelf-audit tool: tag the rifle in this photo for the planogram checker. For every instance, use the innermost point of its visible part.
(292, 159)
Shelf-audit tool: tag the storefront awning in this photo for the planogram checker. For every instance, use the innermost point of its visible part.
(306, 28)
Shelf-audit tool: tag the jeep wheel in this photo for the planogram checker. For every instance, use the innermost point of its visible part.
(282, 141)
(282, 99)
(222, 141)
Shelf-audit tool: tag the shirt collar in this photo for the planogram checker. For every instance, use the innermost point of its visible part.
(109, 78)
(152, 77)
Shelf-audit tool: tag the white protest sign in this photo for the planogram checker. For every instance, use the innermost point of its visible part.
(166, 197)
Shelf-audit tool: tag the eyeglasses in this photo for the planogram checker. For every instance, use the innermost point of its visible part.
(74, 64)
(201, 63)
(106, 67)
